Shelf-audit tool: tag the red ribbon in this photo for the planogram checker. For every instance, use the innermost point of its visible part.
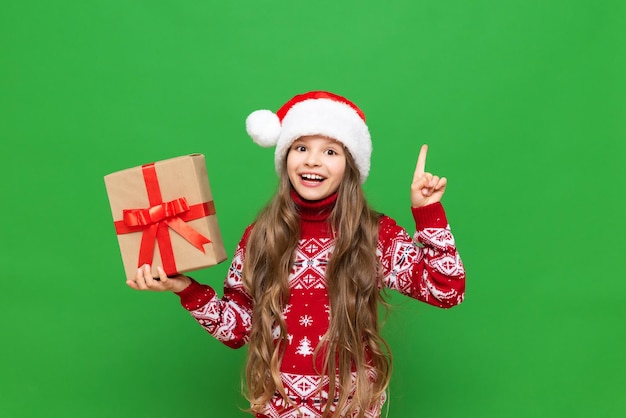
(155, 220)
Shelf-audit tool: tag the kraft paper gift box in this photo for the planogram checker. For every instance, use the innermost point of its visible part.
(164, 216)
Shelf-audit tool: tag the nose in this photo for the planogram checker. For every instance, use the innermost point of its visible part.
(312, 160)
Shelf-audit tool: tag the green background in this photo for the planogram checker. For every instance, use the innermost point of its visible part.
(523, 106)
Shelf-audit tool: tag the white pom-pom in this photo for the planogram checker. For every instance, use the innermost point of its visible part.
(263, 126)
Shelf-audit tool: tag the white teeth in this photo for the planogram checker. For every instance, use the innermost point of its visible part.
(312, 177)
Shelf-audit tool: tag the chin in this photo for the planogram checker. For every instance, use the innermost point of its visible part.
(313, 195)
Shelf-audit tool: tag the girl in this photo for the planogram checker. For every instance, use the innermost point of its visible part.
(305, 283)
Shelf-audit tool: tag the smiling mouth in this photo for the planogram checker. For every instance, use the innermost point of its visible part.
(312, 177)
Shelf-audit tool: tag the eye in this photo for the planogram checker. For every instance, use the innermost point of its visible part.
(299, 148)
(331, 151)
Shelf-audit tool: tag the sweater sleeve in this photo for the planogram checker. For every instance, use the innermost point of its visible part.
(426, 267)
(227, 319)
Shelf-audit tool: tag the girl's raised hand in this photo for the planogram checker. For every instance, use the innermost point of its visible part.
(145, 281)
(426, 188)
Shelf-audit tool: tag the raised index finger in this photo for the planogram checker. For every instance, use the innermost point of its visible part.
(421, 161)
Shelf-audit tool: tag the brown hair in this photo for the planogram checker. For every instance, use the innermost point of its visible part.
(353, 341)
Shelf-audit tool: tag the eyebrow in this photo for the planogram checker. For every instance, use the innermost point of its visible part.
(329, 143)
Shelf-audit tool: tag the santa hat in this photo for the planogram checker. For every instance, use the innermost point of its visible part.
(313, 113)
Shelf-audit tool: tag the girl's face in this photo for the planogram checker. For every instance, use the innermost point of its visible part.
(315, 166)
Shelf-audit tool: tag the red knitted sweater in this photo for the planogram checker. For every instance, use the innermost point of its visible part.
(425, 267)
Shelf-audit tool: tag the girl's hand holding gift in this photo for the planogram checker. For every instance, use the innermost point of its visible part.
(145, 281)
(426, 188)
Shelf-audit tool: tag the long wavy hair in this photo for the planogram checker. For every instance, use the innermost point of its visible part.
(353, 343)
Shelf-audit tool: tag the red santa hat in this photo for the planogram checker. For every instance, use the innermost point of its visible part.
(313, 113)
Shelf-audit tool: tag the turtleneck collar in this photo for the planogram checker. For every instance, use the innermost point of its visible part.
(314, 210)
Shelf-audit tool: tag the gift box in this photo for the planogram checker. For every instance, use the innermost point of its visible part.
(164, 216)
